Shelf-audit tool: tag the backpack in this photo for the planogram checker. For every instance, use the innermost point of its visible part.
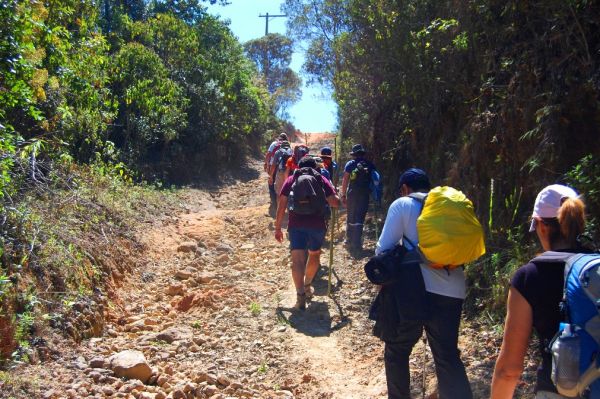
(375, 186)
(282, 155)
(307, 196)
(449, 233)
(576, 346)
(360, 177)
(299, 152)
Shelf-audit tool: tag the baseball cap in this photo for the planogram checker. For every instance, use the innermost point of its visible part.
(326, 152)
(548, 202)
(412, 176)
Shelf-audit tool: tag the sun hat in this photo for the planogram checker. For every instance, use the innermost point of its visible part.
(412, 176)
(358, 149)
(548, 202)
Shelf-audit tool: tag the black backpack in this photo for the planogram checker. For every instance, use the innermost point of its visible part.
(360, 177)
(307, 196)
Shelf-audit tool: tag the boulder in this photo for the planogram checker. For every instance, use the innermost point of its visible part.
(130, 364)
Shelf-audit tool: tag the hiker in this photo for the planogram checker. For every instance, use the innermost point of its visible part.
(444, 296)
(321, 169)
(356, 189)
(305, 193)
(536, 290)
(273, 147)
(300, 151)
(328, 163)
(278, 168)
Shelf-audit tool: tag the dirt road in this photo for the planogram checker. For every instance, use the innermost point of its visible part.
(209, 306)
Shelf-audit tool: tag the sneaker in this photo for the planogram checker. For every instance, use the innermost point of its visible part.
(309, 291)
(300, 302)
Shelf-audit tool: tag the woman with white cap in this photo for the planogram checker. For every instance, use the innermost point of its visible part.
(536, 290)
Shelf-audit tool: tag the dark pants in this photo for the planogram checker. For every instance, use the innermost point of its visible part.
(442, 335)
(356, 210)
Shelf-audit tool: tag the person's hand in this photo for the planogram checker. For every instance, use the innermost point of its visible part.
(279, 234)
(265, 166)
(270, 180)
(343, 199)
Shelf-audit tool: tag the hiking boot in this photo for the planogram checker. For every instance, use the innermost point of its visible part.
(300, 302)
(309, 291)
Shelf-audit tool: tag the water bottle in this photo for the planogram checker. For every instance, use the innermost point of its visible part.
(565, 361)
(291, 201)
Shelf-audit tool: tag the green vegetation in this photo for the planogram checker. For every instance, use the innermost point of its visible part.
(255, 308)
(97, 98)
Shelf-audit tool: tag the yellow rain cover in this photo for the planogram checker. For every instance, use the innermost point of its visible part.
(449, 232)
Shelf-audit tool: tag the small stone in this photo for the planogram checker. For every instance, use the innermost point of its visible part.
(223, 380)
(178, 394)
(130, 364)
(188, 246)
(97, 362)
(175, 289)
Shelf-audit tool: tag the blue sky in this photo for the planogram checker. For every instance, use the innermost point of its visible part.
(315, 112)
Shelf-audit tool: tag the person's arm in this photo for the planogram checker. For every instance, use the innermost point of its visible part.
(281, 207)
(517, 330)
(271, 173)
(345, 181)
(393, 229)
(267, 160)
(331, 196)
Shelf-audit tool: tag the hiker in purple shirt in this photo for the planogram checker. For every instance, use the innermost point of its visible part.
(305, 194)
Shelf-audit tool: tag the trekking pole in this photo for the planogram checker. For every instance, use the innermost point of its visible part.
(332, 229)
(376, 223)
(423, 372)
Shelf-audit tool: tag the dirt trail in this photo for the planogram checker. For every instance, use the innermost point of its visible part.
(210, 308)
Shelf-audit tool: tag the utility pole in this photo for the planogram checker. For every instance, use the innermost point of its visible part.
(267, 17)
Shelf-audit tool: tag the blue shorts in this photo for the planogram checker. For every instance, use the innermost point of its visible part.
(303, 238)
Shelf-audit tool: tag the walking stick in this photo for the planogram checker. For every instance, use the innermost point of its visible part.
(423, 373)
(332, 230)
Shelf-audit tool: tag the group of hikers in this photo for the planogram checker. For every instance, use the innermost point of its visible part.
(539, 298)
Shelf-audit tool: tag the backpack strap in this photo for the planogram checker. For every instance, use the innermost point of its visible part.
(566, 258)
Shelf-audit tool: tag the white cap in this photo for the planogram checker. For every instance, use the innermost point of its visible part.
(549, 200)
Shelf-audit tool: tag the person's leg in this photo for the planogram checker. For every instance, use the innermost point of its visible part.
(396, 358)
(442, 334)
(298, 244)
(315, 242)
(362, 206)
(298, 269)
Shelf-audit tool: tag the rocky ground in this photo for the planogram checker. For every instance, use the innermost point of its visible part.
(207, 313)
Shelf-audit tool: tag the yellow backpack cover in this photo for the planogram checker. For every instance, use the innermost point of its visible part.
(449, 232)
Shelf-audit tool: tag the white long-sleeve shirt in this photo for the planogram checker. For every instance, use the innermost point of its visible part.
(401, 221)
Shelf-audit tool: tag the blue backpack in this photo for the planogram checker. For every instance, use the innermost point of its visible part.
(576, 346)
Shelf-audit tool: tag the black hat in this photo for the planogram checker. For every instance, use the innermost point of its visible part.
(358, 149)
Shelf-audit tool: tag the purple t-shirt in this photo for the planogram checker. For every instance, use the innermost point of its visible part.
(306, 221)
(541, 284)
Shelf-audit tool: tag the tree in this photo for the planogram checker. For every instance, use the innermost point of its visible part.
(272, 55)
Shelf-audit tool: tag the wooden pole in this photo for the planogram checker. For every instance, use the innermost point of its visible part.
(331, 243)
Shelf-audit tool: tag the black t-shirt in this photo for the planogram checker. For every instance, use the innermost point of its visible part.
(541, 284)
